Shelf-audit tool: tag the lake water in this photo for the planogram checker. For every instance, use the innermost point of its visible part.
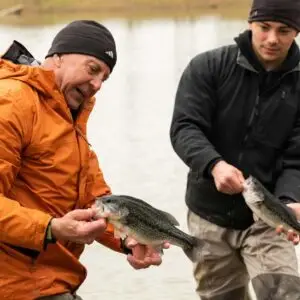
(129, 130)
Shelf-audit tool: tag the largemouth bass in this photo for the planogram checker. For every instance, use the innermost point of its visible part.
(146, 224)
(267, 207)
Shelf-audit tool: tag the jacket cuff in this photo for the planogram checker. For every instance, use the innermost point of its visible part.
(286, 200)
(210, 166)
(49, 238)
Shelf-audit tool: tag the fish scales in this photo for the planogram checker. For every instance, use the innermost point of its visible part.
(142, 220)
(148, 225)
(267, 207)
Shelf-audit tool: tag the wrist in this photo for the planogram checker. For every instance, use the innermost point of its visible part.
(211, 166)
(215, 166)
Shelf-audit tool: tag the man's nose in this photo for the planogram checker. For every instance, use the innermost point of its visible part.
(96, 83)
(273, 37)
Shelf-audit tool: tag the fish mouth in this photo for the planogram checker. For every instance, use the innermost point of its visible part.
(105, 210)
(100, 208)
(247, 183)
(245, 186)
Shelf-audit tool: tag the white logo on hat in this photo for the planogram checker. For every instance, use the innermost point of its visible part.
(110, 53)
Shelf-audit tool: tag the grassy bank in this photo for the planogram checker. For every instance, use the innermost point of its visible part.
(51, 11)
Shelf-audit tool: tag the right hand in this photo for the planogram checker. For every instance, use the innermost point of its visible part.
(78, 226)
(291, 235)
(228, 179)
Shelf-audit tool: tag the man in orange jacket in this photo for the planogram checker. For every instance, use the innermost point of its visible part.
(49, 175)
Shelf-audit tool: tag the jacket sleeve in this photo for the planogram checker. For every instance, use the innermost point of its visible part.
(288, 183)
(19, 226)
(96, 186)
(194, 108)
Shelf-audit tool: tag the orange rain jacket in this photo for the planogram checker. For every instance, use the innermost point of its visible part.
(46, 170)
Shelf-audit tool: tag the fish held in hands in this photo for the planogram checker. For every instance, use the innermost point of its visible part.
(148, 225)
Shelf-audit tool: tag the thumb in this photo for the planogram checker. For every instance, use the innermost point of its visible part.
(240, 176)
(130, 242)
(82, 214)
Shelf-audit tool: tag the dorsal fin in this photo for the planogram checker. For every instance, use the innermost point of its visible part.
(171, 218)
(167, 215)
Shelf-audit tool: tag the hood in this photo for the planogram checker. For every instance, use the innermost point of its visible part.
(17, 63)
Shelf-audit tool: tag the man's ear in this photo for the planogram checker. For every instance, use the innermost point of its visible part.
(57, 60)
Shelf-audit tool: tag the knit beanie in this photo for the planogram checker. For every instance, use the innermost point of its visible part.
(283, 11)
(86, 37)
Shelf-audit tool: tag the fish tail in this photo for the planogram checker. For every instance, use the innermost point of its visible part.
(192, 251)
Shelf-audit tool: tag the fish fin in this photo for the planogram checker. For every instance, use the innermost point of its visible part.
(193, 252)
(159, 249)
(255, 218)
(170, 217)
(119, 233)
(123, 213)
(167, 215)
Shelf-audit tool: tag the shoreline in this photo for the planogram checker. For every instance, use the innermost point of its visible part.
(54, 11)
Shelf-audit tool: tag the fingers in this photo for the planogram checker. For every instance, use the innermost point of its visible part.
(137, 263)
(130, 242)
(82, 214)
(293, 237)
(296, 209)
(240, 177)
(279, 229)
(166, 245)
(230, 185)
(143, 256)
(290, 234)
(228, 179)
(78, 226)
(92, 227)
(147, 261)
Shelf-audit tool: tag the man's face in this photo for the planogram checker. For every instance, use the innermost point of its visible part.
(271, 41)
(79, 77)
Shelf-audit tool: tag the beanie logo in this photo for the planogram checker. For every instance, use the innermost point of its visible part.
(110, 54)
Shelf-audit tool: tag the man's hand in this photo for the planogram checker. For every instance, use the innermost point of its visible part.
(78, 226)
(291, 235)
(143, 256)
(228, 179)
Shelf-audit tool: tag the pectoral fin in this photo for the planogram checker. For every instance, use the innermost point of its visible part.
(119, 233)
(255, 218)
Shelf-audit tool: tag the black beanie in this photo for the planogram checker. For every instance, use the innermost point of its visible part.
(86, 37)
(283, 11)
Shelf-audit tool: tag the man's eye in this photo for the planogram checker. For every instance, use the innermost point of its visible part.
(93, 69)
(264, 28)
(283, 31)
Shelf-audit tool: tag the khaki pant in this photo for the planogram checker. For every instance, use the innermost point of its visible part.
(230, 258)
(66, 296)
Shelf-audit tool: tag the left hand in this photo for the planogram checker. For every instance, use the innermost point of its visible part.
(143, 256)
(291, 235)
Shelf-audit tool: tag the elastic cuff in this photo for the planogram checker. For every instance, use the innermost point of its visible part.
(286, 200)
(49, 238)
(210, 166)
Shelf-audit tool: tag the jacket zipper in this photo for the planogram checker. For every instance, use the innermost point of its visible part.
(254, 114)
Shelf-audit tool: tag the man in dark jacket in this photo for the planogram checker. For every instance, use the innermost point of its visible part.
(237, 113)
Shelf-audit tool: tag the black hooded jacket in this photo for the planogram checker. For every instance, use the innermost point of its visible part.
(228, 107)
